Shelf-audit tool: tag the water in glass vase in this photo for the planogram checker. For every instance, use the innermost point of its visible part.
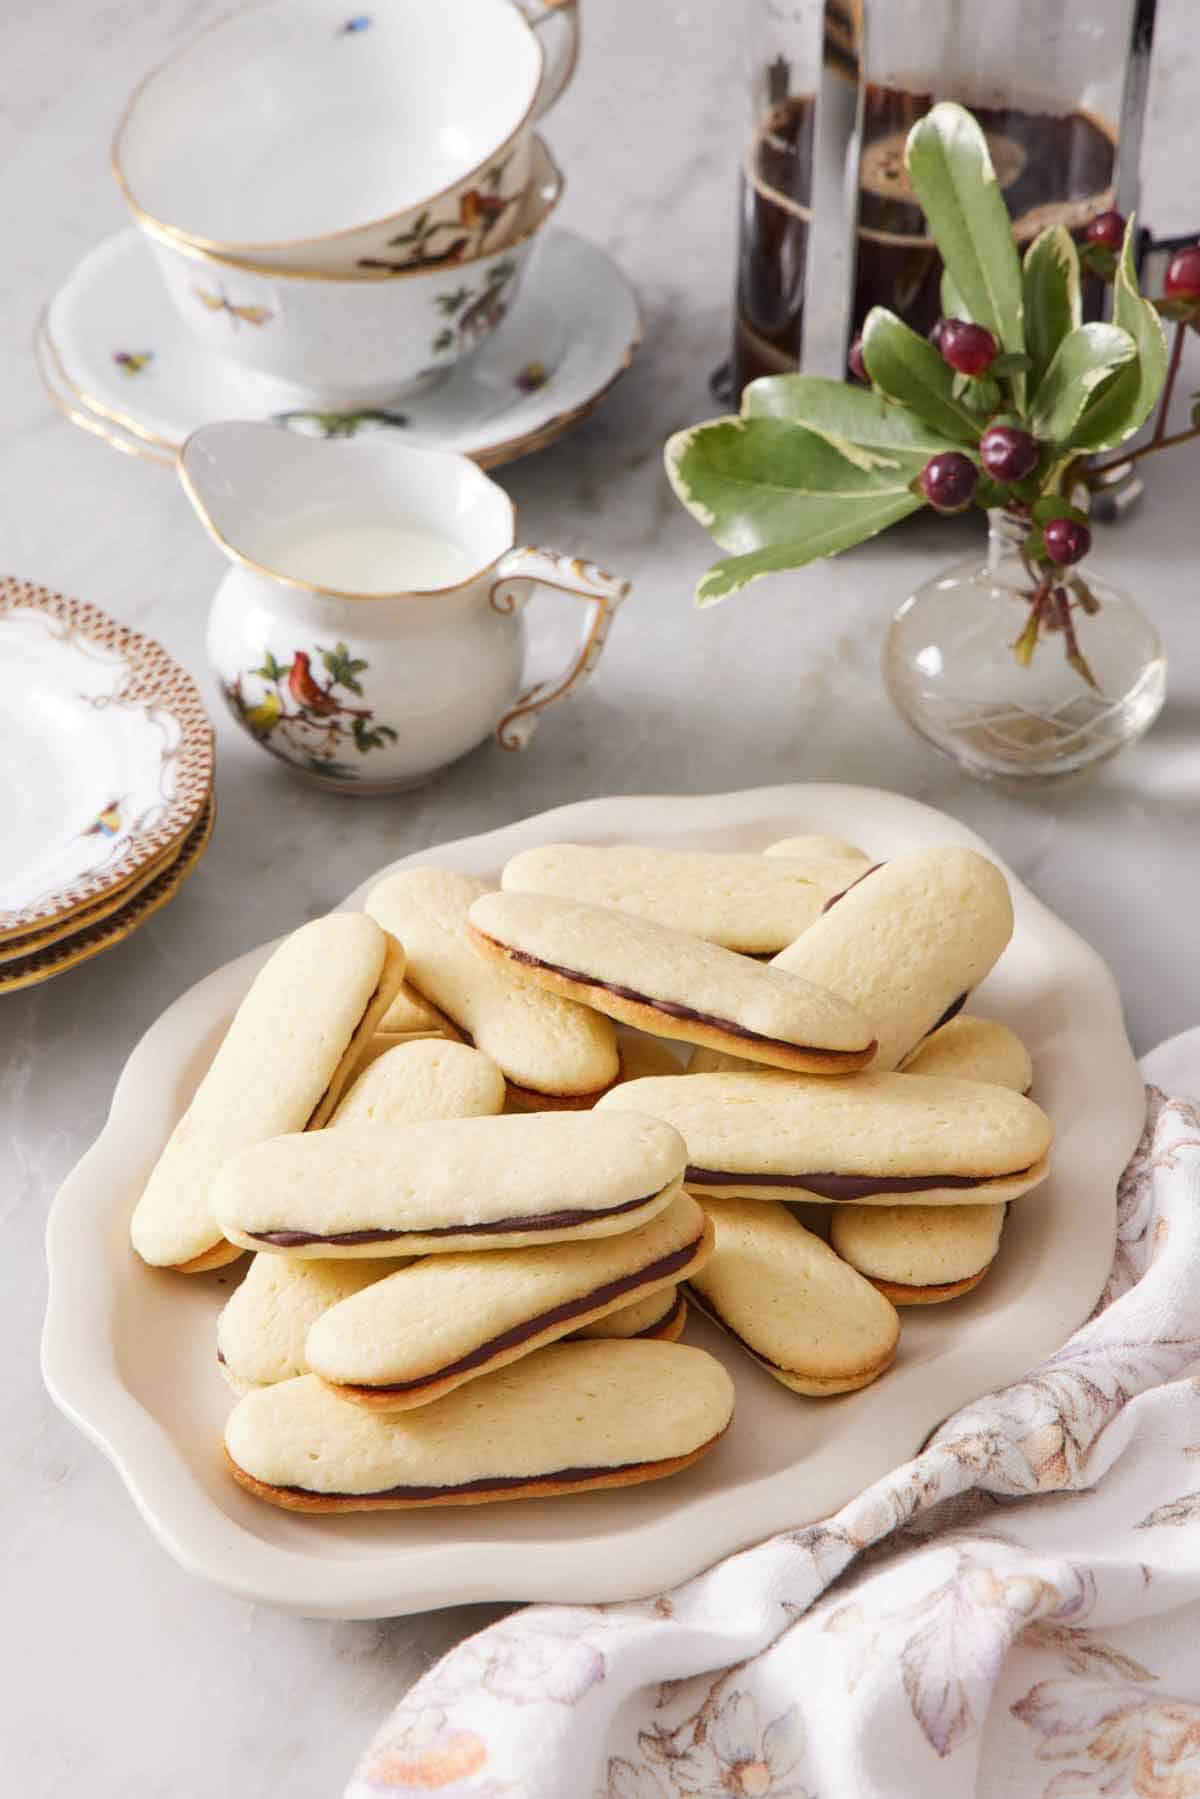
(951, 670)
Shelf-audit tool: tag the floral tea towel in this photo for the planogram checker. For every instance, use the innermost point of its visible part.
(941, 1637)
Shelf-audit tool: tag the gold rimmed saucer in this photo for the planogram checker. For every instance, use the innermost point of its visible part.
(116, 360)
(81, 946)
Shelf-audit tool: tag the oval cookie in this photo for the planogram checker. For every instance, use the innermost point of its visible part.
(669, 984)
(870, 1138)
(800, 1311)
(446, 1320)
(294, 1043)
(557, 1050)
(974, 1049)
(568, 1418)
(908, 942)
(743, 902)
(420, 1081)
(918, 1255)
(470, 1183)
(663, 1315)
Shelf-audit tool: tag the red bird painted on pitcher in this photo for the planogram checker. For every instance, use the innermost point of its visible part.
(304, 689)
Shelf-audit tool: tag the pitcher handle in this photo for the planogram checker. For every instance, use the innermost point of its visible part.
(560, 46)
(563, 574)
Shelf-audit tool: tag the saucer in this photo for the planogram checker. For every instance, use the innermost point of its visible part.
(82, 945)
(117, 360)
(106, 760)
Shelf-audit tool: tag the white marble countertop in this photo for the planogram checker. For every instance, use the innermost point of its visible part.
(122, 1675)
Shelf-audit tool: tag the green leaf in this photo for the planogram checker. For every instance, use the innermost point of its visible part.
(989, 494)
(984, 396)
(1054, 506)
(1050, 283)
(1122, 406)
(1009, 364)
(952, 175)
(953, 304)
(1084, 360)
(781, 496)
(907, 368)
(846, 416)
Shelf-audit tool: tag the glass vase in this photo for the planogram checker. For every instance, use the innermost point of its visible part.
(952, 670)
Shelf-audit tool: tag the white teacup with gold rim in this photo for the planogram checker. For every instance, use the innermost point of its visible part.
(348, 342)
(369, 630)
(346, 135)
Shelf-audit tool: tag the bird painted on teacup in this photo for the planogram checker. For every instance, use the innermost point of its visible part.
(263, 718)
(220, 302)
(305, 690)
(477, 208)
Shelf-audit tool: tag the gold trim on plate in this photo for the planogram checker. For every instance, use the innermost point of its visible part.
(151, 679)
(30, 971)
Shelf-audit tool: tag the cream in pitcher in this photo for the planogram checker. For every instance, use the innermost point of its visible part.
(370, 630)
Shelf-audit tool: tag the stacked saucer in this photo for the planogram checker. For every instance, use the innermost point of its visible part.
(350, 235)
(106, 769)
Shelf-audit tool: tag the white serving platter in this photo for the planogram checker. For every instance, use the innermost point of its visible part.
(128, 1352)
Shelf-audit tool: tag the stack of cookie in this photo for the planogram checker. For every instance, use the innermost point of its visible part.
(463, 1139)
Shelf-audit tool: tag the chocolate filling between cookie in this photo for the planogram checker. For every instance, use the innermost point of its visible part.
(764, 1360)
(847, 1186)
(531, 1327)
(666, 1321)
(670, 1009)
(494, 1483)
(538, 1221)
(372, 1000)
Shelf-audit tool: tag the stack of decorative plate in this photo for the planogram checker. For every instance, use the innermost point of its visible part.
(106, 770)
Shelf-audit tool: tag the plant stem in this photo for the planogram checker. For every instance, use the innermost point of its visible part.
(1161, 443)
(1160, 440)
(1075, 655)
(1164, 405)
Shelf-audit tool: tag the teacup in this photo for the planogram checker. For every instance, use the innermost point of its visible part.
(370, 630)
(304, 136)
(354, 342)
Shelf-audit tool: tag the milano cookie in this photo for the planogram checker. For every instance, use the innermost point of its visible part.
(918, 1255)
(663, 1315)
(743, 902)
(423, 1080)
(567, 1418)
(974, 1049)
(469, 1183)
(908, 942)
(921, 1255)
(558, 1052)
(812, 847)
(783, 1294)
(294, 1042)
(669, 984)
(446, 1320)
(871, 1138)
(262, 1329)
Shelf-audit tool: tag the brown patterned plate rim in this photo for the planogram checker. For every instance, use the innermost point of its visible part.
(46, 936)
(154, 679)
(44, 964)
